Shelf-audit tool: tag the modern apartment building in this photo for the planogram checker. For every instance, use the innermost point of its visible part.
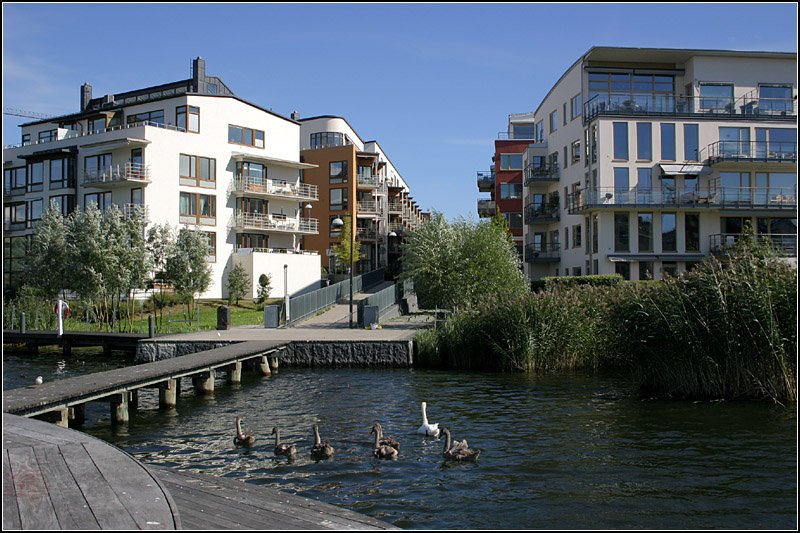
(193, 154)
(504, 181)
(356, 180)
(644, 161)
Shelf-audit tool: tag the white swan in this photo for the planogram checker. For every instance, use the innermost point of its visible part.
(431, 430)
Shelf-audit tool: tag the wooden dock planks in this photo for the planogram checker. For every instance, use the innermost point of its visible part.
(68, 480)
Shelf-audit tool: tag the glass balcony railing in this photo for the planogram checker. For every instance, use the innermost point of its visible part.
(541, 213)
(487, 208)
(541, 174)
(784, 245)
(486, 180)
(542, 252)
(755, 151)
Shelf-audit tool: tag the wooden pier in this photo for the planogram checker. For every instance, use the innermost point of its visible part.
(65, 399)
(74, 339)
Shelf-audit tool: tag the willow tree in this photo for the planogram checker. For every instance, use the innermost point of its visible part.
(187, 265)
(462, 264)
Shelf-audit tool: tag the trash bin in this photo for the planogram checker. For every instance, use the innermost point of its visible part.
(223, 317)
(272, 316)
(370, 315)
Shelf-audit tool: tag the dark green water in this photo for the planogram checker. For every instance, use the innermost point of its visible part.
(558, 452)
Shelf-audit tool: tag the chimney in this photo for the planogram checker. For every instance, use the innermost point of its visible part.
(198, 73)
(295, 115)
(86, 96)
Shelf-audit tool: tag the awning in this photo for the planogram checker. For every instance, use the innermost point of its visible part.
(274, 161)
(52, 153)
(111, 144)
(633, 258)
(682, 170)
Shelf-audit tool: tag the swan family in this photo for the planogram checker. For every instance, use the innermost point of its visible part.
(384, 447)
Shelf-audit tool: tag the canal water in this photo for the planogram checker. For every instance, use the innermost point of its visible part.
(570, 451)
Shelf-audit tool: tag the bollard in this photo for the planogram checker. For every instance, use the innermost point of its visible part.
(223, 317)
(22, 322)
(151, 325)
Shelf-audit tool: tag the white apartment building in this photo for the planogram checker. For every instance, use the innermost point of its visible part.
(194, 155)
(644, 161)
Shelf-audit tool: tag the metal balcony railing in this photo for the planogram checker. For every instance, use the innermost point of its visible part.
(541, 174)
(542, 213)
(487, 208)
(752, 151)
(542, 252)
(280, 223)
(785, 245)
(715, 197)
(368, 181)
(280, 188)
(486, 180)
(116, 174)
(367, 207)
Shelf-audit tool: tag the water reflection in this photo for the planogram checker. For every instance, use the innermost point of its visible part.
(568, 451)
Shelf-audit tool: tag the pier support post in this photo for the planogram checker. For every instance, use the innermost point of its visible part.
(168, 393)
(263, 366)
(119, 408)
(133, 399)
(62, 417)
(235, 372)
(77, 414)
(273, 362)
(204, 382)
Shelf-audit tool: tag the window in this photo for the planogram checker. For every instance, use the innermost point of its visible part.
(514, 220)
(252, 174)
(245, 136)
(593, 140)
(326, 139)
(96, 165)
(156, 117)
(62, 174)
(15, 216)
(34, 212)
(645, 270)
(522, 131)
(775, 99)
(137, 196)
(716, 97)
(251, 240)
(577, 237)
(576, 271)
(621, 185)
(775, 188)
(198, 209)
(197, 170)
(669, 242)
(15, 180)
(212, 245)
(48, 136)
(510, 161)
(669, 269)
(667, 142)
(553, 121)
(632, 92)
(338, 171)
(644, 141)
(776, 143)
(576, 151)
(338, 199)
(575, 107)
(621, 233)
(187, 118)
(645, 230)
(35, 176)
(65, 203)
(97, 125)
(510, 191)
(734, 142)
(735, 187)
(594, 236)
(691, 142)
(692, 232)
(540, 131)
(623, 269)
(644, 185)
(621, 140)
(26, 139)
(100, 199)
(335, 231)
(566, 238)
(15, 250)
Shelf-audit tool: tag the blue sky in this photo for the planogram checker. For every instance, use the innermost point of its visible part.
(432, 83)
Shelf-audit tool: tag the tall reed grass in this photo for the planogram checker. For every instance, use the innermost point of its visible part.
(728, 329)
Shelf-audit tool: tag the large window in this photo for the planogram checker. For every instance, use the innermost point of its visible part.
(326, 139)
(575, 106)
(338, 199)
(780, 143)
(735, 187)
(734, 142)
(692, 232)
(197, 170)
(62, 175)
(644, 185)
(775, 99)
(338, 171)
(15, 216)
(716, 97)
(553, 121)
(669, 241)
(102, 200)
(15, 180)
(251, 173)
(621, 233)
(97, 125)
(691, 142)
(510, 191)
(644, 141)
(621, 140)
(198, 209)
(95, 165)
(35, 176)
(187, 117)
(621, 185)
(645, 228)
(667, 142)
(632, 92)
(245, 136)
(510, 161)
(156, 117)
(65, 203)
(514, 220)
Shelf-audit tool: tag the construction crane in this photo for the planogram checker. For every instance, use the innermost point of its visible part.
(23, 113)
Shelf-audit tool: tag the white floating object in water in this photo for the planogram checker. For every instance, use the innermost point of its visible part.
(39, 380)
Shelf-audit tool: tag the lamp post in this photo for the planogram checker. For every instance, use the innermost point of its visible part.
(338, 223)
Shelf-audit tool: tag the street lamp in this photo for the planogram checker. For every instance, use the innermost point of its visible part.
(337, 223)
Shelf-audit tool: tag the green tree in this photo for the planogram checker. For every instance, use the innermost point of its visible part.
(460, 265)
(264, 288)
(48, 267)
(342, 249)
(159, 244)
(186, 267)
(238, 284)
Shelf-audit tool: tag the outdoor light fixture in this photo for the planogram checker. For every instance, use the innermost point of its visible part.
(609, 196)
(337, 223)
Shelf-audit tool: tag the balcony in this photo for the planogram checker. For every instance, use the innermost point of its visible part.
(244, 185)
(737, 152)
(542, 174)
(367, 208)
(486, 180)
(542, 214)
(487, 208)
(715, 197)
(654, 104)
(396, 208)
(367, 182)
(542, 253)
(366, 234)
(785, 245)
(275, 223)
(117, 176)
